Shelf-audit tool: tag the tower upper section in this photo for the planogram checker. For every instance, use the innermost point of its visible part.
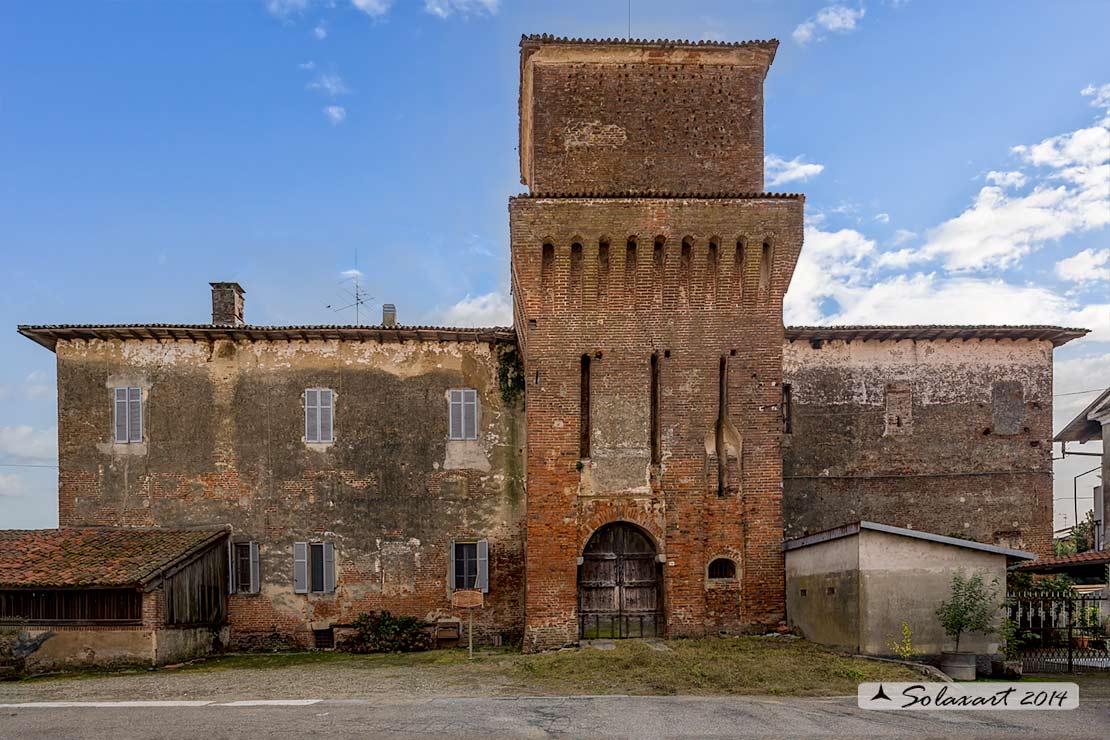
(614, 116)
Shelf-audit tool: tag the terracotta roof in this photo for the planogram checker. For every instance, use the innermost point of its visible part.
(1058, 335)
(95, 556)
(546, 38)
(1091, 557)
(661, 194)
(49, 334)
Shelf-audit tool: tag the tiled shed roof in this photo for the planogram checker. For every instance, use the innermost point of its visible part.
(1056, 561)
(1058, 335)
(95, 556)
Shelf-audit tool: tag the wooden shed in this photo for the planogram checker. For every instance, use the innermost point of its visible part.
(89, 596)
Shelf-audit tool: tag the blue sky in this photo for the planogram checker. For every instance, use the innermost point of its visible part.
(955, 157)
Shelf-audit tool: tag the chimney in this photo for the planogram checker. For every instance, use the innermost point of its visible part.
(227, 304)
(389, 314)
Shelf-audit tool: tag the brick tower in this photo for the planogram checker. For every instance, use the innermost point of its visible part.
(648, 273)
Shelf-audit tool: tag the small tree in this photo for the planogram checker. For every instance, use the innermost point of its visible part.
(971, 606)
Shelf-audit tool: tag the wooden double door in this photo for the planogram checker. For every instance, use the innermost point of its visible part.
(619, 592)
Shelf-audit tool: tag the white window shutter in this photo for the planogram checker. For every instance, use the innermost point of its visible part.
(456, 415)
(255, 580)
(451, 566)
(300, 567)
(121, 414)
(329, 567)
(325, 415)
(134, 415)
(482, 583)
(230, 567)
(470, 415)
(311, 416)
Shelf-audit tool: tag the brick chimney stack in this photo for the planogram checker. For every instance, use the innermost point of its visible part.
(389, 314)
(227, 304)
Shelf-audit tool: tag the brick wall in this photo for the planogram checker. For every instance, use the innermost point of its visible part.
(661, 117)
(223, 445)
(696, 299)
(950, 437)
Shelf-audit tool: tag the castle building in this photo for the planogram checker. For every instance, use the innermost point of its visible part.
(626, 460)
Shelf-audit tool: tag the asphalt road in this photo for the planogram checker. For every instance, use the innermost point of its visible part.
(541, 717)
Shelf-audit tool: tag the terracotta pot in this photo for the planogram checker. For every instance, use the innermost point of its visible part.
(960, 666)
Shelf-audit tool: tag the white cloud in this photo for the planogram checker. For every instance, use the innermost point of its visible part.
(1006, 179)
(447, 8)
(351, 274)
(373, 8)
(320, 31)
(883, 218)
(307, 65)
(11, 486)
(35, 385)
(780, 171)
(335, 113)
(1101, 95)
(26, 443)
(831, 19)
(1070, 176)
(1090, 265)
(1072, 376)
(491, 309)
(285, 8)
(330, 85)
(901, 236)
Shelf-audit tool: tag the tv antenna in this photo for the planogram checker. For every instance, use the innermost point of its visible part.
(353, 292)
(629, 20)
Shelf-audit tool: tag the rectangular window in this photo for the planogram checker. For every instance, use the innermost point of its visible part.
(313, 567)
(464, 413)
(318, 415)
(128, 415)
(470, 565)
(244, 567)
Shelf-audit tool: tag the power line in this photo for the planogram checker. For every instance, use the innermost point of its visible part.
(25, 465)
(1077, 393)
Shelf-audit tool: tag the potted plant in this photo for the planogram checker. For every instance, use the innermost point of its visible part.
(970, 608)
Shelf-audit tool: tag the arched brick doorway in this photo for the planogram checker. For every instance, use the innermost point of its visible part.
(619, 585)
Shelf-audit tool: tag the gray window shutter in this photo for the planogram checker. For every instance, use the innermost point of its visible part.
(121, 414)
(134, 415)
(311, 418)
(451, 566)
(325, 415)
(483, 566)
(255, 580)
(470, 414)
(456, 405)
(300, 567)
(329, 567)
(230, 567)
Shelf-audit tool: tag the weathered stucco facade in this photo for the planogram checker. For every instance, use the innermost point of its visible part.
(951, 436)
(224, 444)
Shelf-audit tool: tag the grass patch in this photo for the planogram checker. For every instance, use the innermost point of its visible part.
(724, 665)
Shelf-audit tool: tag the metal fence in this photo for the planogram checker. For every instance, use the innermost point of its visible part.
(1060, 632)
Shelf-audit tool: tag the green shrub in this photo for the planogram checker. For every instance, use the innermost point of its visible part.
(381, 632)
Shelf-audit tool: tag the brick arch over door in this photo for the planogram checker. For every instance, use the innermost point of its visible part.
(609, 512)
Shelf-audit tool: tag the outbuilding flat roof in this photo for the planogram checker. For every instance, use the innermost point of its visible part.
(86, 557)
(854, 528)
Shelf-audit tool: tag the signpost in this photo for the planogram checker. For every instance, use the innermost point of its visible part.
(469, 599)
